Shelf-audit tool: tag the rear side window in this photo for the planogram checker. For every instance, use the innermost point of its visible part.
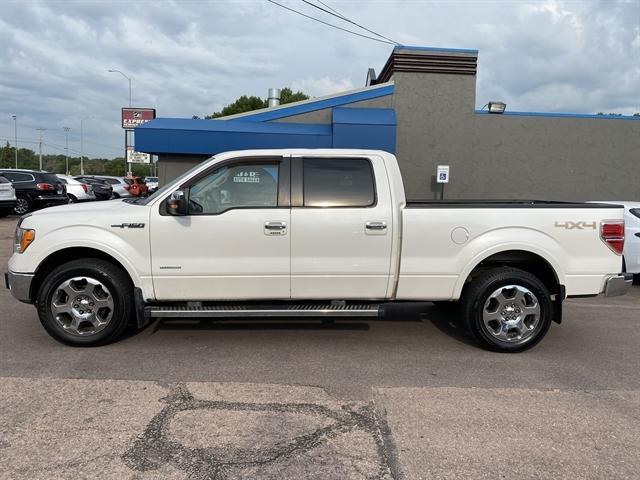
(18, 176)
(112, 181)
(338, 182)
(48, 178)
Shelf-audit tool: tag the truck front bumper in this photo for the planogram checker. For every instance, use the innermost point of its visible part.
(20, 285)
(618, 284)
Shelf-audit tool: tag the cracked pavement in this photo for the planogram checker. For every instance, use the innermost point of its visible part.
(353, 400)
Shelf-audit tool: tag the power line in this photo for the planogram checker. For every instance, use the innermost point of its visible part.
(330, 24)
(337, 14)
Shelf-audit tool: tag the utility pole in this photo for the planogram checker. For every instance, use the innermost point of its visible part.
(66, 145)
(40, 145)
(15, 122)
(82, 144)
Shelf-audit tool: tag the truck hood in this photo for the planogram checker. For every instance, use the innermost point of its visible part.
(90, 208)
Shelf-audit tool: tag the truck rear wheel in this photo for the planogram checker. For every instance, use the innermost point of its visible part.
(506, 309)
(86, 302)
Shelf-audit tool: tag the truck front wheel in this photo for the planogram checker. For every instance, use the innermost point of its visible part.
(506, 309)
(86, 302)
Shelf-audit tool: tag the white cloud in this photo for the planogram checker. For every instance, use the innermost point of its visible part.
(317, 87)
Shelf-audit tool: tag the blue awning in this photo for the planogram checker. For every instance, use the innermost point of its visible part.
(366, 128)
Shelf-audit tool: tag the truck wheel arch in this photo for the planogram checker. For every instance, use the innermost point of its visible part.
(524, 259)
(64, 255)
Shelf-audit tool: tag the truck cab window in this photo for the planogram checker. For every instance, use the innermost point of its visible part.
(235, 186)
(338, 182)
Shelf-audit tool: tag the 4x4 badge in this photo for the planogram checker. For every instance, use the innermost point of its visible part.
(577, 225)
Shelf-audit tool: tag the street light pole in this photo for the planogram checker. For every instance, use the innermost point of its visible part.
(15, 124)
(66, 145)
(128, 79)
(127, 133)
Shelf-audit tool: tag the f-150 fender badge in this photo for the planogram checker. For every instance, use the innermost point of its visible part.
(129, 225)
(577, 225)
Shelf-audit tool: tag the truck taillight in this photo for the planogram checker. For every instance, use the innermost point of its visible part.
(612, 233)
(45, 186)
(85, 187)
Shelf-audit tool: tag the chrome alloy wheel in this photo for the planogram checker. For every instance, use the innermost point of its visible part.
(511, 314)
(82, 306)
(21, 207)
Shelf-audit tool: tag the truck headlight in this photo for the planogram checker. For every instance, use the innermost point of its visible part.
(24, 238)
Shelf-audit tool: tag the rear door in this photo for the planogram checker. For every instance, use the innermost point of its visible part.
(341, 228)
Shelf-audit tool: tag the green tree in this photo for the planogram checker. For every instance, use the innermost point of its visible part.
(249, 103)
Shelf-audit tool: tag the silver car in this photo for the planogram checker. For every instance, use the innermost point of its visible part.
(119, 184)
(77, 191)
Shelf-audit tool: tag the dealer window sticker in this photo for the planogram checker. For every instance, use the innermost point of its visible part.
(247, 177)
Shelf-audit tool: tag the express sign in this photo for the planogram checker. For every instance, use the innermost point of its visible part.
(134, 117)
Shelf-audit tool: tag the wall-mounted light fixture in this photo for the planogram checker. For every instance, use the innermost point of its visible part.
(497, 107)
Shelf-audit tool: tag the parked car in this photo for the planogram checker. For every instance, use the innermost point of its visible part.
(225, 239)
(152, 183)
(631, 252)
(137, 187)
(101, 189)
(35, 189)
(119, 184)
(77, 191)
(7, 197)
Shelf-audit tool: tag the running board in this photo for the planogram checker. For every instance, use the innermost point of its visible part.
(239, 311)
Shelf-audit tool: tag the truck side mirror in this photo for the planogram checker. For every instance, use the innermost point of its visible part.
(177, 203)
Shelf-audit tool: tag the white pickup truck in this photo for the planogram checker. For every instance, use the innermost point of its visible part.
(282, 233)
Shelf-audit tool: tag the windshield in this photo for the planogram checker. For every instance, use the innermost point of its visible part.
(165, 188)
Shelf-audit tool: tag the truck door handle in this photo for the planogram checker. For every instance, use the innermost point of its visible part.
(376, 225)
(275, 225)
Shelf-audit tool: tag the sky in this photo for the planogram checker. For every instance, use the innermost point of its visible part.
(193, 57)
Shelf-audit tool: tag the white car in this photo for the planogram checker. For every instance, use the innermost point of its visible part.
(315, 233)
(77, 191)
(631, 252)
(7, 197)
(152, 183)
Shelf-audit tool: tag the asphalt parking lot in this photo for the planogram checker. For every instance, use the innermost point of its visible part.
(410, 399)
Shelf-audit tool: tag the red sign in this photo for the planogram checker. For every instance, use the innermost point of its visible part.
(134, 117)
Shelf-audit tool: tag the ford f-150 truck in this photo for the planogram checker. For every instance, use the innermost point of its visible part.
(291, 233)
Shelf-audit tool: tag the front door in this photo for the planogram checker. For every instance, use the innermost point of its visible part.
(341, 228)
(233, 244)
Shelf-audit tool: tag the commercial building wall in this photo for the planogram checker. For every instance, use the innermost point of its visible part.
(511, 155)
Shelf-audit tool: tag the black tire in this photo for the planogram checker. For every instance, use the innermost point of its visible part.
(475, 299)
(115, 196)
(72, 199)
(4, 212)
(23, 205)
(117, 283)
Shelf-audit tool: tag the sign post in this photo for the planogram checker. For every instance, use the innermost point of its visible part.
(132, 118)
(442, 177)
